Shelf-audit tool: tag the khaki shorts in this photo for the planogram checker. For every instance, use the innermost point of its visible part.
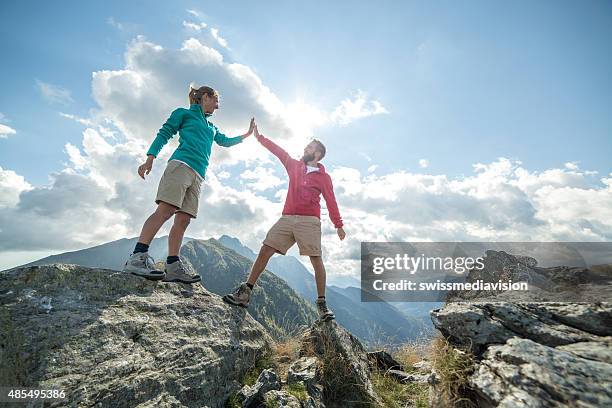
(289, 229)
(180, 187)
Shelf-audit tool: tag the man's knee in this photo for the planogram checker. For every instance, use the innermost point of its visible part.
(267, 251)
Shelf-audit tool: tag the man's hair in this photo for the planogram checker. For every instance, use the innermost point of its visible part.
(320, 148)
(195, 95)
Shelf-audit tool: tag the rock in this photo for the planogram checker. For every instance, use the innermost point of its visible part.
(304, 370)
(404, 377)
(479, 324)
(281, 399)
(253, 396)
(423, 366)
(541, 376)
(383, 361)
(116, 340)
(345, 370)
(534, 354)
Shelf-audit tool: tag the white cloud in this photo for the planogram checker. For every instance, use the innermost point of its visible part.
(372, 168)
(194, 26)
(358, 107)
(423, 163)
(11, 186)
(6, 131)
(53, 93)
(193, 13)
(215, 33)
(260, 179)
(82, 121)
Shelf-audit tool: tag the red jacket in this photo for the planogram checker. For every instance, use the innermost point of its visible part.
(305, 190)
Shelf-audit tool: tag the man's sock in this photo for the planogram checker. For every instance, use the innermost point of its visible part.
(249, 285)
(172, 259)
(321, 297)
(140, 247)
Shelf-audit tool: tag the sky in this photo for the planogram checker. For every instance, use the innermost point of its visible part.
(471, 121)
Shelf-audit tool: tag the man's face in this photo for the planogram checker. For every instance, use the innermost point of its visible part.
(210, 103)
(310, 152)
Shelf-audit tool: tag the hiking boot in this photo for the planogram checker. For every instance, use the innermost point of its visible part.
(142, 264)
(324, 313)
(177, 272)
(240, 297)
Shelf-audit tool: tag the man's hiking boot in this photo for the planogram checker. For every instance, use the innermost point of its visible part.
(142, 264)
(240, 297)
(324, 313)
(177, 272)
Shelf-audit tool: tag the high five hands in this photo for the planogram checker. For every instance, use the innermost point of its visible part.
(252, 126)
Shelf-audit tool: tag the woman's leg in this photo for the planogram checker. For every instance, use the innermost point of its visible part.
(155, 221)
(181, 221)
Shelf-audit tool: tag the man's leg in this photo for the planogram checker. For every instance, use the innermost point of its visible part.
(265, 253)
(242, 295)
(175, 238)
(162, 213)
(320, 275)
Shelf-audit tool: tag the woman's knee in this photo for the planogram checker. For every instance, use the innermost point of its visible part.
(165, 211)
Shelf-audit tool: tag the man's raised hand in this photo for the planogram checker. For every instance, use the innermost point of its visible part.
(252, 126)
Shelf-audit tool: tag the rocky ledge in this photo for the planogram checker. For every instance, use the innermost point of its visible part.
(115, 340)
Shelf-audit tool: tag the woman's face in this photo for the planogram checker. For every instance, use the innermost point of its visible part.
(210, 103)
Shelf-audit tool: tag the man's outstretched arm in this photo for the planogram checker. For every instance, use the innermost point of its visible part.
(275, 149)
(332, 206)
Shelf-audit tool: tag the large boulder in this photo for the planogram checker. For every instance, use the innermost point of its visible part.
(534, 354)
(345, 370)
(116, 340)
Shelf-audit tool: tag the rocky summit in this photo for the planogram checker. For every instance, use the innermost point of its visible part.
(116, 340)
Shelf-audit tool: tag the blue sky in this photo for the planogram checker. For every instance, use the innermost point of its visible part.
(461, 82)
(525, 80)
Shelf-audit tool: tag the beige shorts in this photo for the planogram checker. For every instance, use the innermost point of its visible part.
(289, 229)
(180, 187)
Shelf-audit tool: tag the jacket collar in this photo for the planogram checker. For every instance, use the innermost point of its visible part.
(321, 167)
(197, 108)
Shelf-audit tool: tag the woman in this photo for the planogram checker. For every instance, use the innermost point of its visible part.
(179, 187)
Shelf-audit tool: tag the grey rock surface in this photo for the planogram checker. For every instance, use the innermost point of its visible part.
(252, 396)
(305, 371)
(534, 354)
(541, 376)
(115, 340)
(345, 368)
(281, 399)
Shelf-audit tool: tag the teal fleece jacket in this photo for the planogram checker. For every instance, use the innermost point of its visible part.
(196, 135)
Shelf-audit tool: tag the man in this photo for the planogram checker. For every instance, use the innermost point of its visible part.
(179, 188)
(300, 221)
